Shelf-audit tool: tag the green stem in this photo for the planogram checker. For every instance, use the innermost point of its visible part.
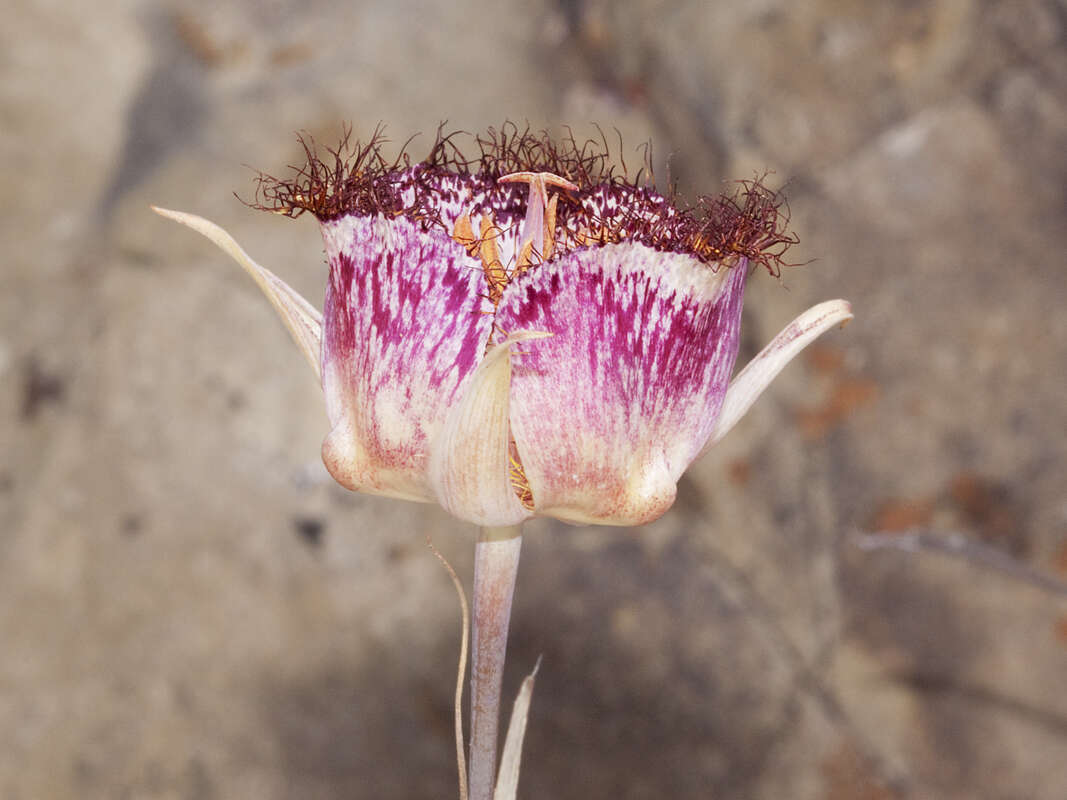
(496, 563)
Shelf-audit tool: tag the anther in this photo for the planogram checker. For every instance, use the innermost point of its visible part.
(495, 275)
(463, 233)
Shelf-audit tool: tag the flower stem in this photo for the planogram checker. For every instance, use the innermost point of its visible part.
(496, 563)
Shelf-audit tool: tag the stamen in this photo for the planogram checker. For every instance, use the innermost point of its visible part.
(463, 233)
(524, 261)
(495, 274)
(517, 476)
(550, 228)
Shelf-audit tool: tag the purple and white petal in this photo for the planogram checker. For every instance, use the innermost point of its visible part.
(405, 325)
(609, 411)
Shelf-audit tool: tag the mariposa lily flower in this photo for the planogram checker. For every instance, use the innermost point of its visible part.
(528, 333)
(523, 334)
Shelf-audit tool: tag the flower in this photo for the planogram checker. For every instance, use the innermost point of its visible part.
(528, 333)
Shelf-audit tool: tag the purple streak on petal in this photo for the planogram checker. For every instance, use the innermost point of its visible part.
(403, 329)
(609, 412)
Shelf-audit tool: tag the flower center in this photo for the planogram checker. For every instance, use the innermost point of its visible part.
(537, 238)
(535, 245)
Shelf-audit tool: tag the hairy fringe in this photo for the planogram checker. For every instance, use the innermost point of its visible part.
(751, 224)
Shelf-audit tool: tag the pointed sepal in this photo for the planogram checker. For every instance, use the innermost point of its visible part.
(471, 468)
(301, 318)
(750, 382)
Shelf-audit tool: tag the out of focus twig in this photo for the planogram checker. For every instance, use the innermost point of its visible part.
(808, 678)
(960, 546)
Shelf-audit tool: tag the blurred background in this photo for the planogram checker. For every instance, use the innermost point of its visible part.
(189, 608)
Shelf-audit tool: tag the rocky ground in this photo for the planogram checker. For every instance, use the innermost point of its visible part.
(189, 608)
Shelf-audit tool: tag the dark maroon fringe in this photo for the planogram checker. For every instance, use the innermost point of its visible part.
(356, 178)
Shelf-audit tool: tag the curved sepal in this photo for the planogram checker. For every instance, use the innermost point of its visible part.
(750, 382)
(301, 318)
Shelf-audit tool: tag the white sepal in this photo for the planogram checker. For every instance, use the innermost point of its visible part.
(302, 319)
(750, 382)
(469, 463)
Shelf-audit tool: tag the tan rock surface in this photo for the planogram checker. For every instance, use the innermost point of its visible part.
(189, 607)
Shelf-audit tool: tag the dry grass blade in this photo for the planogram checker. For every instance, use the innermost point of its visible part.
(461, 761)
(507, 779)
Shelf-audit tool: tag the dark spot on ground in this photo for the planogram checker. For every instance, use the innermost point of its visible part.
(310, 530)
(40, 388)
(131, 525)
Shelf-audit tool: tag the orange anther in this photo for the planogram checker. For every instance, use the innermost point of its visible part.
(550, 228)
(525, 259)
(495, 275)
(463, 233)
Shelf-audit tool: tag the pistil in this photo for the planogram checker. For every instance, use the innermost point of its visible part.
(539, 228)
